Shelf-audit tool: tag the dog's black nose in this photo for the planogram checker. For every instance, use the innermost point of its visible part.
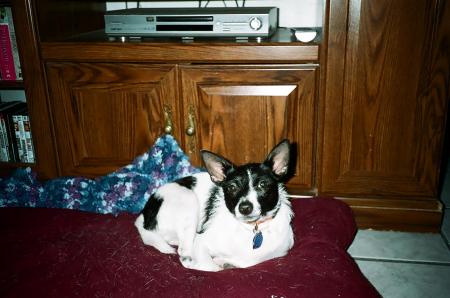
(245, 208)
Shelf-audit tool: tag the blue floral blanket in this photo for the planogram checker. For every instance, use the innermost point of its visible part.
(125, 190)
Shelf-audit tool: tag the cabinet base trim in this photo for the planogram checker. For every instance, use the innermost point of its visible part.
(396, 214)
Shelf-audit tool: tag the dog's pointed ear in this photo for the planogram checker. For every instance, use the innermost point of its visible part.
(278, 159)
(217, 166)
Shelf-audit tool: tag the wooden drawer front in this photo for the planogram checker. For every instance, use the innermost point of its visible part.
(242, 112)
(107, 114)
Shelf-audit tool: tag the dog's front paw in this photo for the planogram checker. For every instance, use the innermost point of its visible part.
(187, 262)
(190, 263)
(184, 252)
(228, 266)
(222, 263)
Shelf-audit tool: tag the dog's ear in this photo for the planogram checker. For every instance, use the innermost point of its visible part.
(278, 159)
(217, 166)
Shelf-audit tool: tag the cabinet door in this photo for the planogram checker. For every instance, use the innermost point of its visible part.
(106, 114)
(242, 112)
(385, 99)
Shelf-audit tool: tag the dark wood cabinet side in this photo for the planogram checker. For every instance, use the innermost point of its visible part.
(35, 90)
(385, 101)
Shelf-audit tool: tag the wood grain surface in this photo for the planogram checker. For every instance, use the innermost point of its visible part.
(383, 129)
(179, 52)
(385, 93)
(242, 112)
(106, 114)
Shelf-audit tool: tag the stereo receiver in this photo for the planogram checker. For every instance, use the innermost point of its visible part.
(192, 22)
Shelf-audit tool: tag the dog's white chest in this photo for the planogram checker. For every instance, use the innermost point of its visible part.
(231, 242)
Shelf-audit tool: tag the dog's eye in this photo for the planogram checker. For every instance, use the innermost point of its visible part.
(262, 184)
(231, 187)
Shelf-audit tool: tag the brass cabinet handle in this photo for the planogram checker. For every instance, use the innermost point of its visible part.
(190, 130)
(168, 124)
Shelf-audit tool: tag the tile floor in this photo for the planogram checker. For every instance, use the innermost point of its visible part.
(408, 265)
(402, 264)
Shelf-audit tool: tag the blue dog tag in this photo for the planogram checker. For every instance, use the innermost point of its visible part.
(257, 239)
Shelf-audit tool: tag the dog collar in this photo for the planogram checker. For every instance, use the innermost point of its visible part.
(257, 234)
(259, 221)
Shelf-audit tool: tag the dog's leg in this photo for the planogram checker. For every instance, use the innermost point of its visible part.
(201, 259)
(186, 223)
(204, 263)
(186, 235)
(152, 238)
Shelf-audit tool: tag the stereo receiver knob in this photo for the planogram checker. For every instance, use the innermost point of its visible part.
(255, 23)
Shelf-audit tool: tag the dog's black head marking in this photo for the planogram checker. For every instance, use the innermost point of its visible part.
(188, 182)
(267, 188)
(238, 182)
(277, 161)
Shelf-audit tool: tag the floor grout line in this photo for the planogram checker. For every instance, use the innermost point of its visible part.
(403, 261)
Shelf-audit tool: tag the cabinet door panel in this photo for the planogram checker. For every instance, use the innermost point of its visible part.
(383, 125)
(242, 112)
(107, 114)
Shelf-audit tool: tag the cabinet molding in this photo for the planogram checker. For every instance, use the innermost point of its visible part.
(397, 214)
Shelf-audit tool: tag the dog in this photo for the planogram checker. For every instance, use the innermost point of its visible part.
(228, 217)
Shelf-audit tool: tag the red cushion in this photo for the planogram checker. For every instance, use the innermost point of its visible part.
(55, 253)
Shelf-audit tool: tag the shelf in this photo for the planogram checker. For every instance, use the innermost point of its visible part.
(280, 48)
(11, 85)
(16, 164)
(198, 53)
(6, 168)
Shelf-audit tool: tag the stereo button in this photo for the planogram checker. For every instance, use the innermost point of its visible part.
(255, 23)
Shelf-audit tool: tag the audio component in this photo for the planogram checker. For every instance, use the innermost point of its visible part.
(192, 22)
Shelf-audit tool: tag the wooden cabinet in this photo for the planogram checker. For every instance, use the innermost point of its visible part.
(366, 105)
(385, 97)
(106, 114)
(243, 111)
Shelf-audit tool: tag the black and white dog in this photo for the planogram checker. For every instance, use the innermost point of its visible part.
(232, 216)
